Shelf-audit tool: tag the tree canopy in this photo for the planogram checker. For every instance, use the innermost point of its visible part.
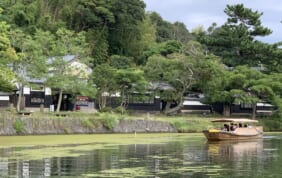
(127, 48)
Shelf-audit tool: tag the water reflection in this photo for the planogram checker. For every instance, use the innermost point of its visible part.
(182, 158)
(235, 150)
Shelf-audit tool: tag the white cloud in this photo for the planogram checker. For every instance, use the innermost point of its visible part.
(204, 12)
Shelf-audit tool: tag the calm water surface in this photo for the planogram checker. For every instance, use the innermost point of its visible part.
(141, 155)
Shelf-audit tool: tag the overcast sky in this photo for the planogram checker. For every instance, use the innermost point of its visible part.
(204, 12)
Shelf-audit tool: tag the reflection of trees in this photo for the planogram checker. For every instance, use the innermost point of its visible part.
(183, 159)
(4, 166)
(153, 157)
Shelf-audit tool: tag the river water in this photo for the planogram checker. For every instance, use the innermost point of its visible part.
(139, 155)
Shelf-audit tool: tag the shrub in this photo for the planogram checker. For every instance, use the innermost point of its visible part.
(109, 121)
(66, 130)
(106, 109)
(90, 123)
(120, 110)
(19, 126)
(271, 124)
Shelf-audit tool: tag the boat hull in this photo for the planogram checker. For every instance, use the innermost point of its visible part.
(242, 134)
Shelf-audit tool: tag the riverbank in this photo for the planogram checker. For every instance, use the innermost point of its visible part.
(85, 123)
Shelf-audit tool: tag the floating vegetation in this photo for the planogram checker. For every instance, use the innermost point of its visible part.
(208, 170)
(123, 173)
(58, 151)
(39, 147)
(121, 139)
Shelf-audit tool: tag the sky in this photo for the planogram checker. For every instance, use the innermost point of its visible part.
(194, 13)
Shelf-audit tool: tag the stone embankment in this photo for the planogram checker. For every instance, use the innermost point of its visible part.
(32, 126)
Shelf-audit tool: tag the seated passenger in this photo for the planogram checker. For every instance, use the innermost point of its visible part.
(233, 127)
(226, 127)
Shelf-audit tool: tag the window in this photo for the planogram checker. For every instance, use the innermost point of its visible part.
(37, 98)
(246, 106)
(139, 99)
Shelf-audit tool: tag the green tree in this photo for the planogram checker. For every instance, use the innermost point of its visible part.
(103, 77)
(176, 72)
(235, 41)
(128, 81)
(30, 63)
(269, 88)
(7, 56)
(237, 86)
(121, 62)
(146, 41)
(125, 29)
(63, 76)
(168, 31)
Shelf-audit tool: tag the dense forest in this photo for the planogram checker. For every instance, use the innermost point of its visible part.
(128, 49)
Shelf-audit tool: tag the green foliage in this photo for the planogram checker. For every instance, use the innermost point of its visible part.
(87, 123)
(30, 61)
(103, 76)
(90, 122)
(19, 126)
(125, 29)
(121, 62)
(116, 39)
(7, 55)
(271, 124)
(66, 130)
(120, 110)
(235, 40)
(109, 121)
(168, 31)
(64, 76)
(188, 124)
(172, 77)
(106, 109)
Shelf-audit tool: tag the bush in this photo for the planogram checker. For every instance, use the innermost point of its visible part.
(106, 109)
(86, 123)
(120, 110)
(271, 124)
(19, 126)
(90, 123)
(66, 130)
(109, 121)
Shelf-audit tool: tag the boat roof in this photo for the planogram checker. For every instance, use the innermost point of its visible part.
(235, 120)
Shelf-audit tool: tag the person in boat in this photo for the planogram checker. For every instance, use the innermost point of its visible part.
(232, 127)
(226, 127)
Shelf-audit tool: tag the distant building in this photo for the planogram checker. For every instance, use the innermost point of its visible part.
(37, 94)
(5, 99)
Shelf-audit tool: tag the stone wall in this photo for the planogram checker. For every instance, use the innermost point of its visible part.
(32, 126)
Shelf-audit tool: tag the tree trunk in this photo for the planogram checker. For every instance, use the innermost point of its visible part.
(19, 98)
(101, 102)
(175, 109)
(59, 101)
(226, 110)
(254, 109)
(167, 106)
(123, 100)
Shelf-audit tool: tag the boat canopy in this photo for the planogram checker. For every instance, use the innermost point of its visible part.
(235, 120)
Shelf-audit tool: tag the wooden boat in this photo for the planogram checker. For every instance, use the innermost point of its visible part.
(234, 129)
